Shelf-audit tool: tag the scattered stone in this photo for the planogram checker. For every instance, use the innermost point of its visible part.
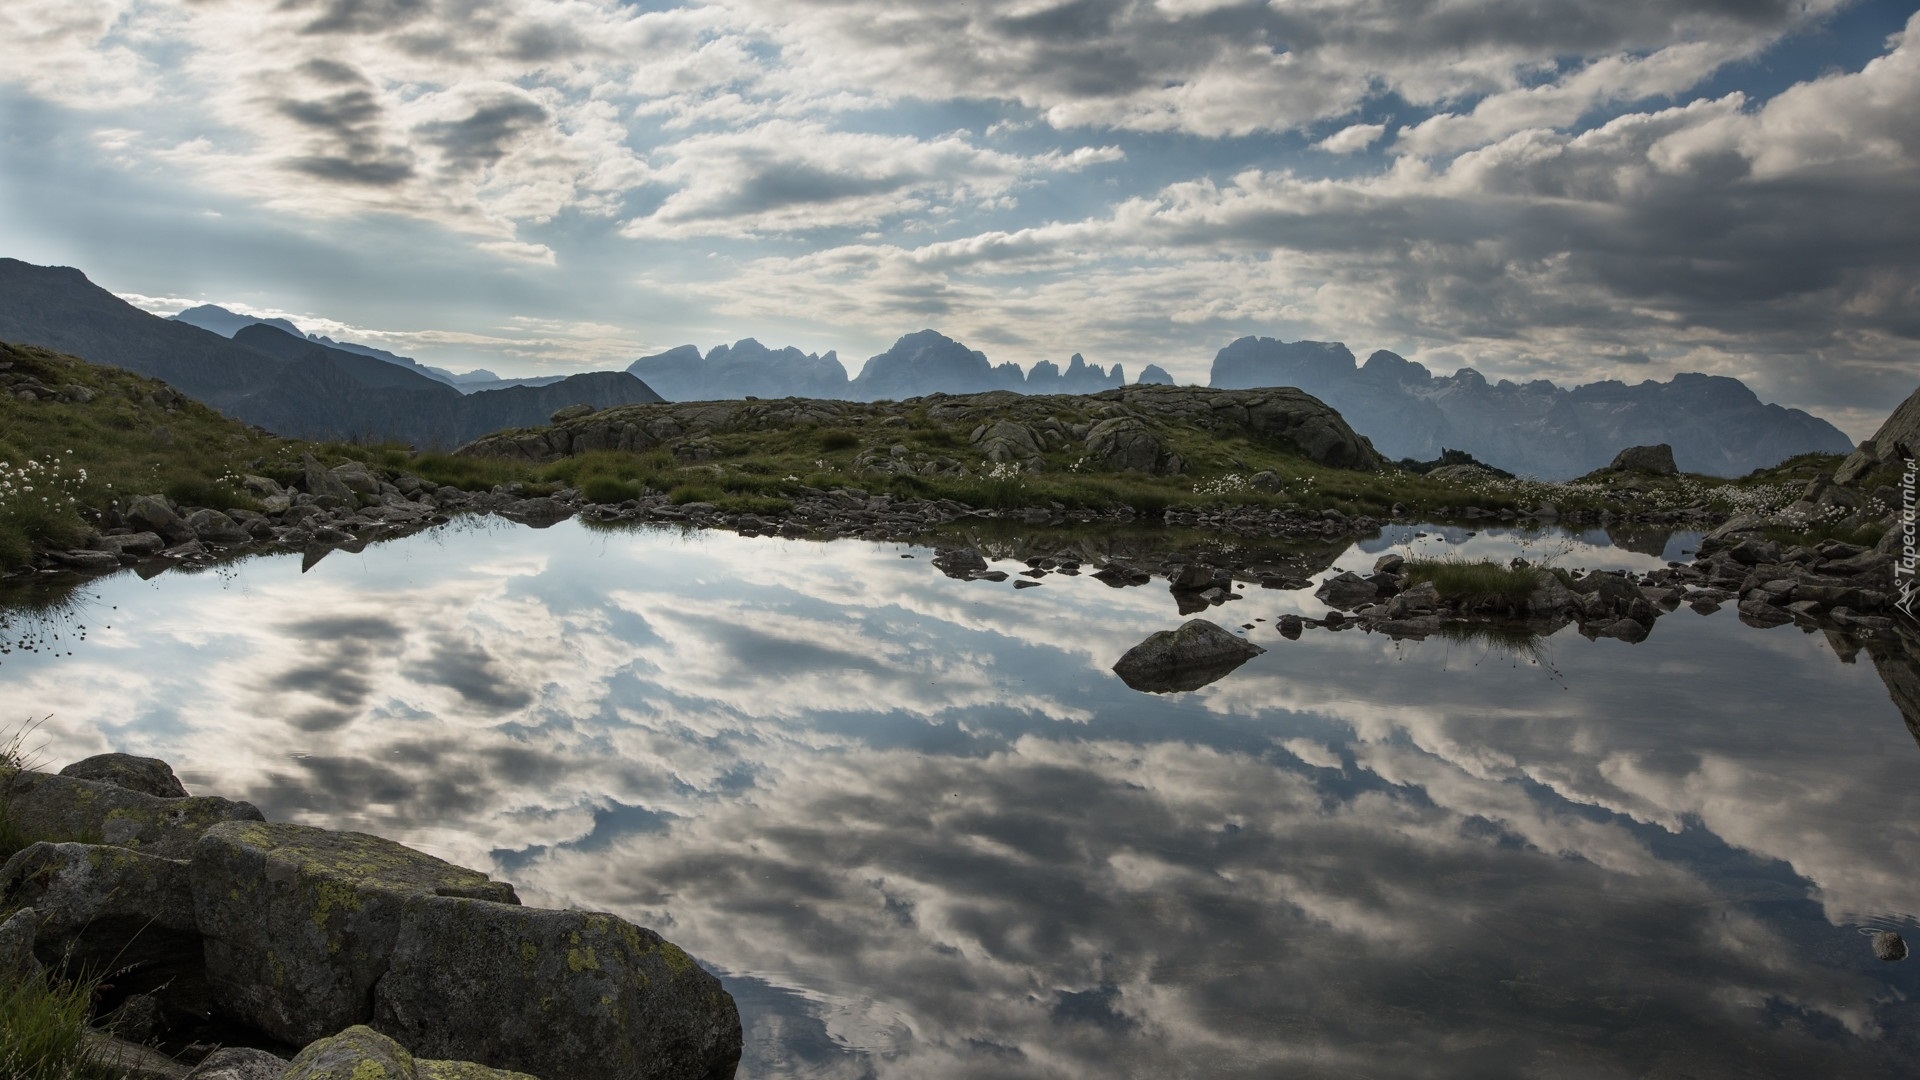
(1348, 591)
(239, 1063)
(1026, 584)
(1389, 564)
(1889, 946)
(1289, 626)
(961, 563)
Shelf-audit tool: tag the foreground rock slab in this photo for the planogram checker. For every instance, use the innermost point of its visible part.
(606, 1000)
(1198, 653)
(70, 808)
(299, 922)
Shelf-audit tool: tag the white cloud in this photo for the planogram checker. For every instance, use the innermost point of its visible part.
(1353, 139)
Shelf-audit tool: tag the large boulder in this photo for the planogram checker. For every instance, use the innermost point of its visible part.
(1004, 440)
(1197, 653)
(215, 527)
(152, 513)
(319, 481)
(1127, 444)
(361, 1053)
(102, 909)
(1656, 460)
(299, 922)
(144, 774)
(70, 808)
(1347, 591)
(1897, 439)
(595, 997)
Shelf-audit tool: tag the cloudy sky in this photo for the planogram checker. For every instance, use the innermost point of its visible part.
(1577, 189)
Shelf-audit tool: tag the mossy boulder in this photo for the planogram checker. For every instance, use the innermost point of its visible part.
(56, 807)
(596, 997)
(17, 934)
(145, 774)
(361, 1053)
(299, 922)
(239, 1063)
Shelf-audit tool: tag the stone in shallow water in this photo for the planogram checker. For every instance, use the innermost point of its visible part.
(1198, 653)
(1889, 946)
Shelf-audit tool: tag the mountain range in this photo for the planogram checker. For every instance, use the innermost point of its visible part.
(265, 371)
(1715, 424)
(918, 364)
(282, 381)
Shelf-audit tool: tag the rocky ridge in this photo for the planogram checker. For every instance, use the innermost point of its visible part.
(215, 926)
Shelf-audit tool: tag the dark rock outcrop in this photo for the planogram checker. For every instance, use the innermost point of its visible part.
(1656, 460)
(144, 774)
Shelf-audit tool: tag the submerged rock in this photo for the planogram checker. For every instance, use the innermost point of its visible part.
(603, 999)
(1889, 946)
(1197, 653)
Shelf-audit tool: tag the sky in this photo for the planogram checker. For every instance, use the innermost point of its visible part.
(1575, 189)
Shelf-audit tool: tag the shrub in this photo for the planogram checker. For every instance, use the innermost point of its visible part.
(608, 489)
(838, 439)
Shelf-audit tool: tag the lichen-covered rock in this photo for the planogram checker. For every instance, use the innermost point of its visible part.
(102, 908)
(17, 935)
(358, 1053)
(1197, 653)
(70, 808)
(299, 921)
(239, 1063)
(581, 995)
(429, 1069)
(130, 1061)
(1127, 444)
(144, 774)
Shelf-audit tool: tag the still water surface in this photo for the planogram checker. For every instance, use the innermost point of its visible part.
(921, 830)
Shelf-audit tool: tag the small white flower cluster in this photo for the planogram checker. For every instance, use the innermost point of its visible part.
(1000, 470)
(1225, 485)
(42, 486)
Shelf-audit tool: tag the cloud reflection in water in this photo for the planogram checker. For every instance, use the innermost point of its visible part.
(928, 834)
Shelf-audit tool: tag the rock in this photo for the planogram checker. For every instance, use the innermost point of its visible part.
(538, 513)
(130, 1061)
(17, 937)
(357, 1053)
(100, 891)
(1289, 626)
(150, 513)
(1630, 631)
(1127, 444)
(1889, 946)
(1197, 653)
(136, 544)
(604, 999)
(239, 1063)
(319, 482)
(358, 478)
(214, 527)
(87, 560)
(962, 563)
(1347, 591)
(70, 808)
(139, 1019)
(261, 487)
(1657, 460)
(1198, 577)
(144, 774)
(1004, 440)
(571, 412)
(1389, 564)
(299, 921)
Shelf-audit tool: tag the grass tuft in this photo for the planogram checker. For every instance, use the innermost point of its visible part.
(1476, 582)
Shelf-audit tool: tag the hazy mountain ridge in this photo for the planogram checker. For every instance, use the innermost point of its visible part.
(289, 384)
(230, 324)
(1715, 424)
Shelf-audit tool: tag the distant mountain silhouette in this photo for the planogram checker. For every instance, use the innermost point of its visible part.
(284, 382)
(1715, 424)
(229, 324)
(918, 364)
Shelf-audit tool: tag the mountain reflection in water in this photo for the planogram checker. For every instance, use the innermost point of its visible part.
(923, 831)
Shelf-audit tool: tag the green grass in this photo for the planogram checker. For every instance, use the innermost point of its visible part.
(1476, 582)
(43, 1025)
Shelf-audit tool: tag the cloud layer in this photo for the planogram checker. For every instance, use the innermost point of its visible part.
(1530, 189)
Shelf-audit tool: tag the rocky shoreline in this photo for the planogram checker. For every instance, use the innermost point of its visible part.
(221, 945)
